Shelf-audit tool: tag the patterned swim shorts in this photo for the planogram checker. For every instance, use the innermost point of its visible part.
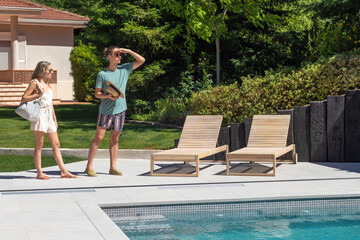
(116, 121)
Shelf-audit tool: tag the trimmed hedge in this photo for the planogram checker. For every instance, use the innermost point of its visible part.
(281, 89)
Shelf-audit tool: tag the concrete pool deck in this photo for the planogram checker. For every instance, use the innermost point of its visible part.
(69, 208)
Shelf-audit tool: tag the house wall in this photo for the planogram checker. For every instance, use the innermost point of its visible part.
(53, 44)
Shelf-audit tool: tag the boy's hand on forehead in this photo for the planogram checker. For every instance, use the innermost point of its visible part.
(123, 50)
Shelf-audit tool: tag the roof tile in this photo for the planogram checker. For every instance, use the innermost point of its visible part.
(50, 13)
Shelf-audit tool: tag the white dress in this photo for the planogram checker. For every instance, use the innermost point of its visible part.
(46, 121)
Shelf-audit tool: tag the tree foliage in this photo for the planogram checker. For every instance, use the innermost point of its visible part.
(336, 26)
(206, 19)
(177, 38)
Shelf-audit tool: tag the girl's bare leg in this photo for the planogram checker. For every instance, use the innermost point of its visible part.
(55, 143)
(39, 141)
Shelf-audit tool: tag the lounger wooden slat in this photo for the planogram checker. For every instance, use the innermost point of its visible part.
(267, 142)
(198, 140)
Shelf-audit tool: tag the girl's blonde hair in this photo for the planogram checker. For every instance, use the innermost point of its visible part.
(40, 69)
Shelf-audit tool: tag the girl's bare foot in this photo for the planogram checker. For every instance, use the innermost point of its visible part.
(42, 177)
(68, 175)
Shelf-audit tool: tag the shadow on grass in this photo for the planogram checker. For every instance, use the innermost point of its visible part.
(69, 116)
(8, 112)
(79, 117)
(148, 128)
(85, 116)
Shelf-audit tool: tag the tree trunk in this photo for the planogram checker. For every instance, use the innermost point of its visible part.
(218, 82)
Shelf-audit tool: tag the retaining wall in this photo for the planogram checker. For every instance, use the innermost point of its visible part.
(323, 131)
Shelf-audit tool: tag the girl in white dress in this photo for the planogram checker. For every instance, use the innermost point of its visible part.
(40, 88)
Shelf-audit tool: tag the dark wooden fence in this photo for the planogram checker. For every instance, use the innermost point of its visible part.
(324, 131)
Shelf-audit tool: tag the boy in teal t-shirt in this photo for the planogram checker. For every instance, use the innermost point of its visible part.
(119, 78)
(112, 109)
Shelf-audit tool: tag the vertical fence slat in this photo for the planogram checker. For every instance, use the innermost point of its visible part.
(336, 128)
(290, 139)
(237, 136)
(318, 139)
(248, 122)
(352, 126)
(302, 132)
(223, 139)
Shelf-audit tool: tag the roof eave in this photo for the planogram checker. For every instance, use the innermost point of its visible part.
(49, 22)
(21, 11)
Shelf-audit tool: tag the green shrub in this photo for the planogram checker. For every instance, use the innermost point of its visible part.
(222, 100)
(139, 106)
(173, 108)
(143, 82)
(188, 85)
(85, 65)
(144, 87)
(172, 111)
(167, 110)
(281, 89)
(147, 117)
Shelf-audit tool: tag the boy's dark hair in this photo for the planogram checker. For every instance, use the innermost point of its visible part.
(109, 50)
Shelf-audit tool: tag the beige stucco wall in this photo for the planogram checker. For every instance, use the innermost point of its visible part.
(59, 59)
(52, 44)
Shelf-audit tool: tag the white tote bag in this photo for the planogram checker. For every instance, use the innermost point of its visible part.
(30, 110)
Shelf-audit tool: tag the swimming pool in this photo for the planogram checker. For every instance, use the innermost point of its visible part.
(310, 218)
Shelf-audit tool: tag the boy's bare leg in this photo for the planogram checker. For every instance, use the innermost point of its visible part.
(99, 135)
(114, 145)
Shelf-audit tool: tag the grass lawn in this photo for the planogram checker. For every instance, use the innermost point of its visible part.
(77, 127)
(12, 163)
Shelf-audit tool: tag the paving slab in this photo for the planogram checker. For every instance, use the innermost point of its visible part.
(70, 208)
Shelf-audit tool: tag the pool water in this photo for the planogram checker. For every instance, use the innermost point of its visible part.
(326, 219)
(227, 227)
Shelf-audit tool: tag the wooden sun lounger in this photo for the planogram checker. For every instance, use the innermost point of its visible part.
(198, 140)
(267, 142)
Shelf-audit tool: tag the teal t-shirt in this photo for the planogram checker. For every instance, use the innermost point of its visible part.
(119, 78)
